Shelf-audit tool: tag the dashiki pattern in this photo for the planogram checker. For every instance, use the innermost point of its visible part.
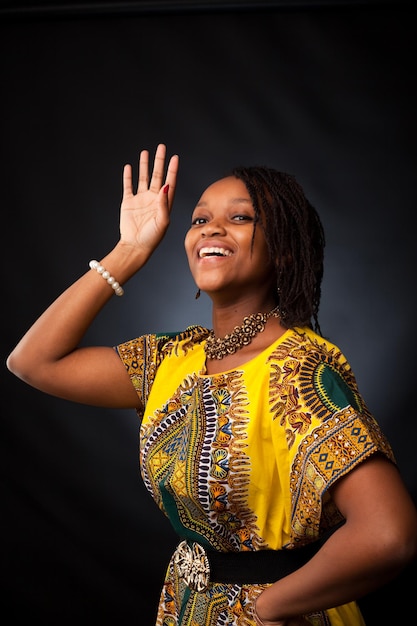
(243, 460)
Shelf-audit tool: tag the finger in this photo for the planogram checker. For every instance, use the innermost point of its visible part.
(143, 176)
(158, 168)
(127, 180)
(171, 177)
(172, 170)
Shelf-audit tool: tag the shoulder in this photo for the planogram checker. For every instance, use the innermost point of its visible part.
(154, 346)
(303, 342)
(191, 333)
(319, 370)
(188, 338)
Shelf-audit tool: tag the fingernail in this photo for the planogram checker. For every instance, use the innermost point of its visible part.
(166, 188)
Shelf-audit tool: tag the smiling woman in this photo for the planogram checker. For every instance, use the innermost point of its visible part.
(255, 441)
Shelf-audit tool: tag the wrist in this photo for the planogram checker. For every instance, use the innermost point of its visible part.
(123, 261)
(265, 622)
(100, 269)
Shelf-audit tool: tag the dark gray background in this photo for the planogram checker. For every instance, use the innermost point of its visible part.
(325, 91)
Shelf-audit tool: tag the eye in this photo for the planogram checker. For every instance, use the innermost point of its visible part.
(198, 220)
(242, 218)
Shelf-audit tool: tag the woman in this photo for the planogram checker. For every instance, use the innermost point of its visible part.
(255, 441)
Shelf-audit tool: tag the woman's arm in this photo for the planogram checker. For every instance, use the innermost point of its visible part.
(48, 356)
(377, 541)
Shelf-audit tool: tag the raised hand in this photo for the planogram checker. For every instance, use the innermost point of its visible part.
(145, 215)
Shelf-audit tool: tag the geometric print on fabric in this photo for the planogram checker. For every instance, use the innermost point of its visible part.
(194, 462)
(198, 449)
(328, 453)
(315, 398)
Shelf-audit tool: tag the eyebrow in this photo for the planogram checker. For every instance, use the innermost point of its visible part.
(232, 201)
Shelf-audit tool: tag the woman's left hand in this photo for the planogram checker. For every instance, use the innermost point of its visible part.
(292, 621)
(298, 620)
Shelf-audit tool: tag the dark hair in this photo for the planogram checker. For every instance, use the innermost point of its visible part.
(295, 239)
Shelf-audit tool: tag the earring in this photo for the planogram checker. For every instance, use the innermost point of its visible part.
(198, 294)
(280, 312)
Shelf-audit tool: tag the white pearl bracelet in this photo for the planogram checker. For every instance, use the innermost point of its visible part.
(118, 290)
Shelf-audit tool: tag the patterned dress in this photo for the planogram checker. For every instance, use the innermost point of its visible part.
(243, 460)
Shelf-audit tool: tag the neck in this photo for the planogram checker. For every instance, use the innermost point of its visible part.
(226, 315)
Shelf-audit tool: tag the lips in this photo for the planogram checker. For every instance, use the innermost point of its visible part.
(213, 251)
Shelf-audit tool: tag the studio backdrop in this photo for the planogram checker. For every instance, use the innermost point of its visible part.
(323, 90)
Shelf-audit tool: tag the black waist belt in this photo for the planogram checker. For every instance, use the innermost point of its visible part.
(260, 566)
(199, 566)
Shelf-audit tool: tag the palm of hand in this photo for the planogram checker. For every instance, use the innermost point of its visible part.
(144, 218)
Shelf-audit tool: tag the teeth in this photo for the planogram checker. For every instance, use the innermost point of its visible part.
(216, 251)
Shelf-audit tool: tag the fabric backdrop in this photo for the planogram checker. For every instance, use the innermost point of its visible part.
(325, 91)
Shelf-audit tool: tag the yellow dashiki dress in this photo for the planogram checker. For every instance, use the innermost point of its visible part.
(243, 460)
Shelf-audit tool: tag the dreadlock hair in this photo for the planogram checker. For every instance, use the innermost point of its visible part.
(295, 240)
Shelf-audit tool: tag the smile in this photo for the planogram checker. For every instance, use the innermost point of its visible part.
(214, 252)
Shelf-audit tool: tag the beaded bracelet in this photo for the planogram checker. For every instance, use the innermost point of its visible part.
(118, 290)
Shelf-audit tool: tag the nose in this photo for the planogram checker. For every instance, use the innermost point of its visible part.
(213, 227)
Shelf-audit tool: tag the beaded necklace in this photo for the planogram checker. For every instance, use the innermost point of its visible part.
(219, 347)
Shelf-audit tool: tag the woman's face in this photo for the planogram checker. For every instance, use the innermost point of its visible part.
(219, 246)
